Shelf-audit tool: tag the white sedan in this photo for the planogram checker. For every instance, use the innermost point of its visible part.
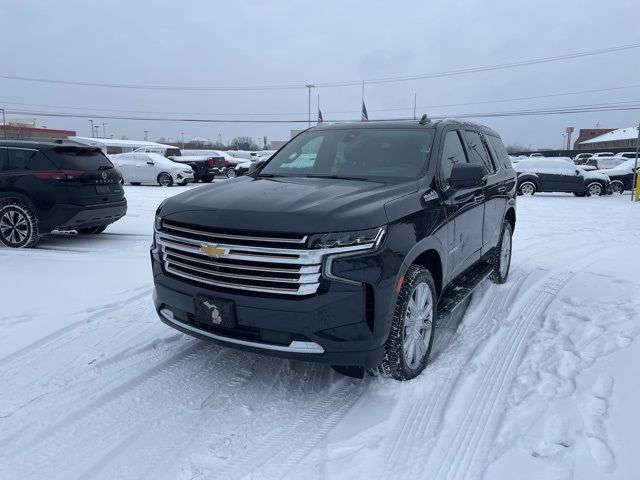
(151, 168)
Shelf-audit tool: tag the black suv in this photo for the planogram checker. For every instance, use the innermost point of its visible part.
(343, 246)
(55, 186)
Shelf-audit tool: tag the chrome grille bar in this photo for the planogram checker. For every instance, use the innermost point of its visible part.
(215, 236)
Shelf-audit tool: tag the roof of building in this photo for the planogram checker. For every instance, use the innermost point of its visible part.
(51, 131)
(628, 133)
(115, 142)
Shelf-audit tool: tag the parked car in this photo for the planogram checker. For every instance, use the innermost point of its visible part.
(205, 167)
(581, 158)
(151, 168)
(553, 175)
(602, 154)
(626, 155)
(55, 186)
(243, 167)
(536, 155)
(230, 162)
(621, 176)
(348, 257)
(602, 163)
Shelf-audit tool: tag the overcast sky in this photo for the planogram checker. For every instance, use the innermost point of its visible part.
(248, 43)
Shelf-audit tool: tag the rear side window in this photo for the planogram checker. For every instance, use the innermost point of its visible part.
(79, 159)
(478, 152)
(172, 152)
(452, 153)
(3, 159)
(500, 152)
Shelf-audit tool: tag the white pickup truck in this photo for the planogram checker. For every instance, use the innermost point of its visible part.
(205, 167)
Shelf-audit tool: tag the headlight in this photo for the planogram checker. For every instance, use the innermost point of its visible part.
(371, 237)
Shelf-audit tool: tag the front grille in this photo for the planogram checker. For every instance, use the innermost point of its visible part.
(252, 262)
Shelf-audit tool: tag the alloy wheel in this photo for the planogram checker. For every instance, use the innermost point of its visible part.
(505, 253)
(418, 323)
(595, 189)
(14, 226)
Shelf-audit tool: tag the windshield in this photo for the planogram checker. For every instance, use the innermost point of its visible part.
(79, 158)
(369, 154)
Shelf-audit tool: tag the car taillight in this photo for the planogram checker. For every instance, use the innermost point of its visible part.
(59, 175)
(211, 162)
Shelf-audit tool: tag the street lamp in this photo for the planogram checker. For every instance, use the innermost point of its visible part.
(145, 135)
(91, 122)
(4, 124)
(309, 87)
(220, 139)
(104, 130)
(182, 133)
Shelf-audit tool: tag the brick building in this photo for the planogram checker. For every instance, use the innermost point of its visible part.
(33, 134)
(589, 133)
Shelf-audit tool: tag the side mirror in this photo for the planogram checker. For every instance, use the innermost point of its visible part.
(466, 175)
(150, 162)
(255, 166)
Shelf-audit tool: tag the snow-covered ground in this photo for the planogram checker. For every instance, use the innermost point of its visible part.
(540, 381)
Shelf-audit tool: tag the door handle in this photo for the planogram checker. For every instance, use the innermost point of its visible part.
(478, 198)
(502, 189)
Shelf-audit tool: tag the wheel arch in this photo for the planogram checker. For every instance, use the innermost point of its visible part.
(427, 253)
(13, 196)
(510, 216)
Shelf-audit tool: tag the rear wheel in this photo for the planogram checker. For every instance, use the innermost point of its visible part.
(527, 188)
(206, 179)
(165, 180)
(92, 230)
(18, 226)
(501, 258)
(594, 189)
(408, 346)
(231, 173)
(617, 186)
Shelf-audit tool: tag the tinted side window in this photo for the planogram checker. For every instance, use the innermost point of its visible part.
(498, 149)
(18, 158)
(3, 159)
(478, 152)
(452, 153)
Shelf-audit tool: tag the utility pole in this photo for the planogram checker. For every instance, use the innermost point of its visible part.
(104, 130)
(91, 122)
(220, 139)
(415, 98)
(145, 135)
(97, 135)
(634, 192)
(309, 87)
(182, 133)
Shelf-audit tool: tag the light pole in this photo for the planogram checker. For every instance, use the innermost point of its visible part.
(145, 135)
(4, 124)
(220, 139)
(104, 130)
(309, 87)
(97, 135)
(91, 122)
(182, 133)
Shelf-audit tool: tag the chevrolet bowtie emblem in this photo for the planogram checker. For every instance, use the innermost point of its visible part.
(214, 251)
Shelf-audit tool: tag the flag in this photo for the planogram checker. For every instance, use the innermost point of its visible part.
(319, 116)
(365, 117)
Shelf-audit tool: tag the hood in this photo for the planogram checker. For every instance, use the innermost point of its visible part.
(596, 175)
(301, 205)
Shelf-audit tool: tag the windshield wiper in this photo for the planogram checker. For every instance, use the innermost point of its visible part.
(338, 177)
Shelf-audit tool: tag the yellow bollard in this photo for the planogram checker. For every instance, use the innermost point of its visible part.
(637, 189)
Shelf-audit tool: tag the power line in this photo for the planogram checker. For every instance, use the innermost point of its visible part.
(602, 107)
(405, 78)
(425, 107)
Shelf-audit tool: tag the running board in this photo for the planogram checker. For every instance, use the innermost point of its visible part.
(463, 287)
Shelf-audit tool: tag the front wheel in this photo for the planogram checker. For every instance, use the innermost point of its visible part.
(527, 188)
(92, 230)
(594, 189)
(165, 180)
(408, 346)
(18, 226)
(501, 258)
(231, 173)
(617, 186)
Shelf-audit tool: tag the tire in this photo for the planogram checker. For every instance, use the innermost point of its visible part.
(135, 183)
(196, 176)
(18, 226)
(527, 188)
(231, 173)
(165, 180)
(594, 189)
(92, 230)
(401, 361)
(206, 179)
(617, 187)
(501, 257)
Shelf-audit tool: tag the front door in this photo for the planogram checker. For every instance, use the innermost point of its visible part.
(464, 208)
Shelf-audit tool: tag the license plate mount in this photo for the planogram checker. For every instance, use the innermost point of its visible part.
(215, 311)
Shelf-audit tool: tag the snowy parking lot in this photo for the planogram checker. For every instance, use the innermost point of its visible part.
(540, 380)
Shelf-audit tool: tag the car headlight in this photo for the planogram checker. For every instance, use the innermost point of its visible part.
(371, 238)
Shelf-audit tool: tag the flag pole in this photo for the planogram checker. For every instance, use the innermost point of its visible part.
(415, 97)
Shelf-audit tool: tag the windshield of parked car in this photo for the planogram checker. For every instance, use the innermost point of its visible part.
(379, 154)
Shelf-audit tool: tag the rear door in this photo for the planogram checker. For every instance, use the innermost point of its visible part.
(90, 179)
